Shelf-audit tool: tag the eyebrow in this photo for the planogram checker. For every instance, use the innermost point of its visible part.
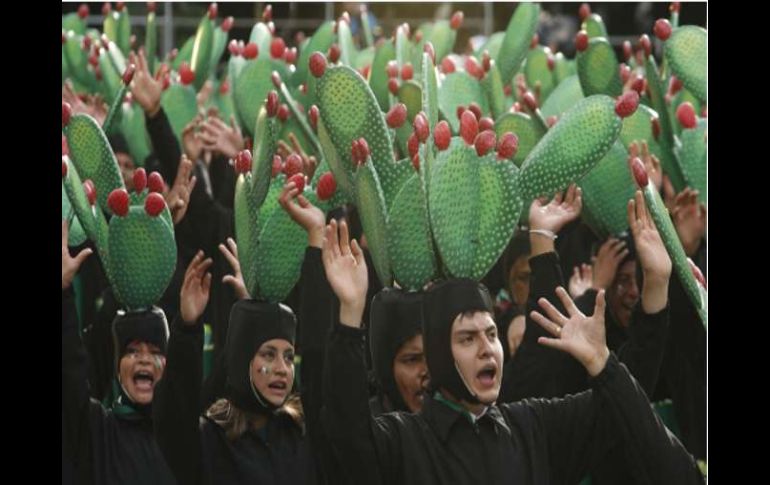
(275, 349)
(472, 332)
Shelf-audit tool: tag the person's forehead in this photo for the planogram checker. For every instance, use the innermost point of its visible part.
(413, 345)
(479, 321)
(277, 344)
(139, 343)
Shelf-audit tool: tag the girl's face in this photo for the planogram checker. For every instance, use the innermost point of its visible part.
(272, 370)
(141, 367)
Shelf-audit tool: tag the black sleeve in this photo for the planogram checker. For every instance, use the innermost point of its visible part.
(176, 403)
(365, 446)
(164, 144)
(643, 352)
(316, 316)
(536, 370)
(587, 301)
(582, 428)
(77, 409)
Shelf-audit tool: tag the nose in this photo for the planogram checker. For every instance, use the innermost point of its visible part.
(281, 367)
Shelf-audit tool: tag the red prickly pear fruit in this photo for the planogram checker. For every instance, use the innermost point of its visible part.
(448, 66)
(416, 162)
(299, 181)
(442, 135)
(457, 20)
(469, 127)
(486, 123)
(213, 11)
(243, 162)
(421, 127)
(267, 13)
(283, 112)
(293, 165)
(662, 29)
(627, 103)
(530, 101)
(277, 47)
(317, 64)
(584, 11)
(581, 41)
(326, 186)
(250, 51)
(334, 53)
(413, 144)
(473, 68)
(227, 24)
(407, 71)
(393, 86)
(90, 190)
(277, 165)
(396, 116)
(83, 11)
(655, 127)
(392, 69)
(476, 110)
(154, 204)
(644, 43)
(128, 75)
(118, 202)
(155, 182)
(507, 146)
(685, 113)
(140, 180)
(272, 104)
(484, 142)
(640, 174)
(186, 75)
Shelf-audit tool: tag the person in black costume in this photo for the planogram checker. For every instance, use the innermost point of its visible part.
(461, 435)
(255, 433)
(115, 445)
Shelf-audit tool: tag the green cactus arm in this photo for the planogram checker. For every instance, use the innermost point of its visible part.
(301, 119)
(492, 84)
(201, 53)
(459, 88)
(594, 26)
(598, 69)
(151, 41)
(518, 35)
(668, 234)
(536, 70)
(572, 147)
(525, 128)
(443, 38)
(92, 156)
(565, 96)
(372, 210)
(378, 76)
(260, 35)
(348, 50)
(142, 255)
(321, 40)
(687, 54)
(409, 237)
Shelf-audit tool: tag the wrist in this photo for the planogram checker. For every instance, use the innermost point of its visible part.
(315, 237)
(153, 110)
(595, 365)
(351, 314)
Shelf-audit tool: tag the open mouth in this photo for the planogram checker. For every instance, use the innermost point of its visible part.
(486, 376)
(278, 385)
(143, 380)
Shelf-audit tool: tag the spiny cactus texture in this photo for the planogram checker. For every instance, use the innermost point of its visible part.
(137, 246)
(441, 153)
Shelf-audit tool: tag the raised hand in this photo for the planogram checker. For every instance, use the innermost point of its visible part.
(70, 265)
(346, 271)
(606, 262)
(178, 198)
(580, 336)
(196, 288)
(230, 252)
(310, 217)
